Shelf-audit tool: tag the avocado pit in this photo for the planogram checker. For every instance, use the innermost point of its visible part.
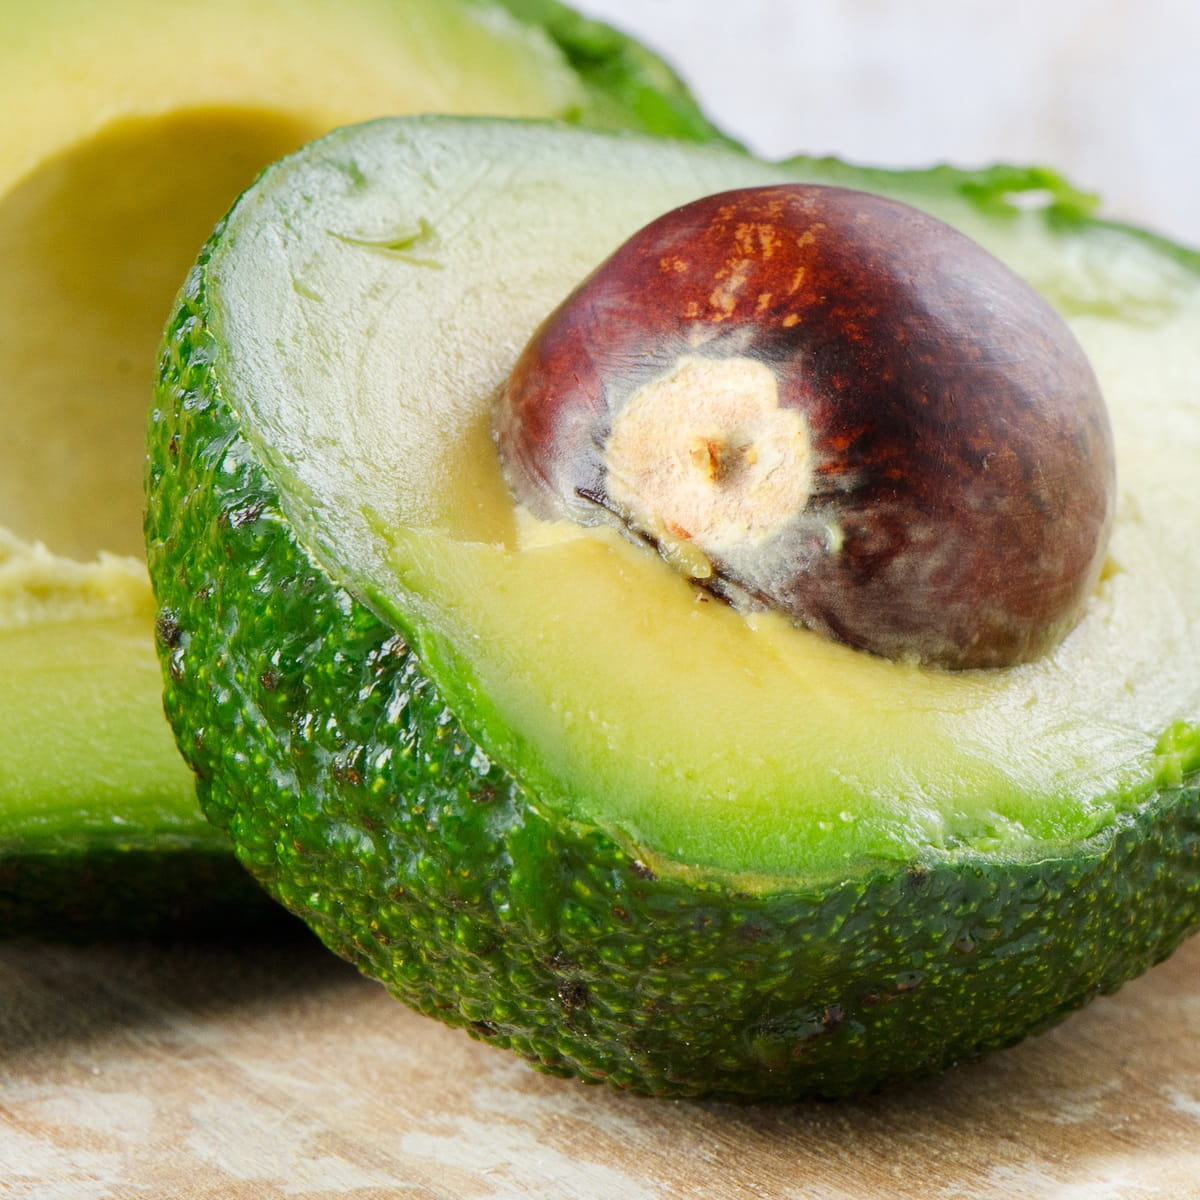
(830, 404)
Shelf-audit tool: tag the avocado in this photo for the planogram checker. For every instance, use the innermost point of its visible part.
(526, 774)
(115, 164)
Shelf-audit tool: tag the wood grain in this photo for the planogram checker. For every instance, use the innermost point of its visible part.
(264, 1071)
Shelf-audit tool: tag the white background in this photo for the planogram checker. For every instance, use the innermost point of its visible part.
(1107, 91)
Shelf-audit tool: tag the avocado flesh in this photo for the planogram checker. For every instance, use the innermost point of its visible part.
(112, 175)
(112, 842)
(61, 630)
(521, 774)
(807, 738)
(113, 170)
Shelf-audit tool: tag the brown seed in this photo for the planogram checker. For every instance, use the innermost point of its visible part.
(859, 417)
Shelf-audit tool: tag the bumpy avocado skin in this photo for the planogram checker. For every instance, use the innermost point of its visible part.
(357, 798)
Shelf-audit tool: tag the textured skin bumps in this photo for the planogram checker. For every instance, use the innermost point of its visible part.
(359, 800)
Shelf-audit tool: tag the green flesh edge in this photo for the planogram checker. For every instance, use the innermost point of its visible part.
(109, 843)
(100, 833)
(112, 174)
(738, 744)
(62, 802)
(322, 679)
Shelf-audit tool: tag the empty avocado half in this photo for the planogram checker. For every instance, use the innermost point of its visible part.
(115, 163)
(549, 787)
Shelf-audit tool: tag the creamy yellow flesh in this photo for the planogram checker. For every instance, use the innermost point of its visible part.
(94, 245)
(701, 735)
(649, 702)
(130, 127)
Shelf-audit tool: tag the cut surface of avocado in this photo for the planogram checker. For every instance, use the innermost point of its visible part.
(117, 165)
(114, 167)
(739, 743)
(528, 777)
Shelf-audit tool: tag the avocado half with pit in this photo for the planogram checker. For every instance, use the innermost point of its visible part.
(115, 163)
(536, 780)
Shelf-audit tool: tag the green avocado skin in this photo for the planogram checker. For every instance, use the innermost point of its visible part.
(628, 85)
(356, 798)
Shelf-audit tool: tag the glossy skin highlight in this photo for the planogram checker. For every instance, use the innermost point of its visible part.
(951, 455)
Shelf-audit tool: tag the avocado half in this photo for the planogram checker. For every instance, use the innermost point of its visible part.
(117, 158)
(521, 774)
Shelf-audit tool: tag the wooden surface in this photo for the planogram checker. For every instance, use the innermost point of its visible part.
(271, 1071)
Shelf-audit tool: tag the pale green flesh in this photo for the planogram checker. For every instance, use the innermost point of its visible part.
(371, 297)
(131, 788)
(76, 772)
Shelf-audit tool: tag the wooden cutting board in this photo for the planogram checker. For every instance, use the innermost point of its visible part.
(273, 1070)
